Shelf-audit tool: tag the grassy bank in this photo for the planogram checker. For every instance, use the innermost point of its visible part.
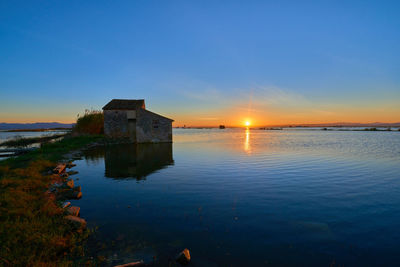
(33, 231)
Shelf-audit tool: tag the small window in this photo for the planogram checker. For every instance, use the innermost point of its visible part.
(131, 114)
(155, 124)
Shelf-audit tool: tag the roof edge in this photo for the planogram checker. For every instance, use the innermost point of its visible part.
(114, 103)
(157, 114)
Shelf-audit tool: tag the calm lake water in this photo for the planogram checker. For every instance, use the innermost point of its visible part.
(246, 198)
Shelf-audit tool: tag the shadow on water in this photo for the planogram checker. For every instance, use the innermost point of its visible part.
(132, 161)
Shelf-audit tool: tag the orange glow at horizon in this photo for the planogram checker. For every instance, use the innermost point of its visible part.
(234, 114)
(290, 116)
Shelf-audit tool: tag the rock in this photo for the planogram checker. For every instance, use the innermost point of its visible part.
(59, 168)
(77, 195)
(56, 178)
(73, 210)
(62, 186)
(66, 204)
(76, 221)
(64, 175)
(72, 172)
(183, 257)
(70, 165)
(64, 194)
(135, 263)
(69, 183)
(77, 188)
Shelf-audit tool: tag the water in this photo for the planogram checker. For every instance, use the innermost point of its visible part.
(5, 136)
(246, 198)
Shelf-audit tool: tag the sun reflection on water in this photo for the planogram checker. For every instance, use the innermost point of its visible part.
(247, 147)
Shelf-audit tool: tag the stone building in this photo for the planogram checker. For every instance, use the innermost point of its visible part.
(124, 118)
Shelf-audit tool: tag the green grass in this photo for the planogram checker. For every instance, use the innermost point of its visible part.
(33, 231)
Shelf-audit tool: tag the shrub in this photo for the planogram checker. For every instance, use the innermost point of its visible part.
(92, 122)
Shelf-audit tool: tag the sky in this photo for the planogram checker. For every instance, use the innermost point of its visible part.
(202, 63)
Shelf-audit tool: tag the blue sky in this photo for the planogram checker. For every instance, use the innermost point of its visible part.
(202, 62)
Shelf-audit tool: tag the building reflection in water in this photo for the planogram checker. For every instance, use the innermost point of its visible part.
(136, 161)
(247, 146)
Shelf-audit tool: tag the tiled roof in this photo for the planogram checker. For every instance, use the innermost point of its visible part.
(125, 104)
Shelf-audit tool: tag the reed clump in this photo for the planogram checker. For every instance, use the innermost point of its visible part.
(91, 122)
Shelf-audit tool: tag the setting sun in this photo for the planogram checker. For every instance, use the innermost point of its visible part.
(247, 123)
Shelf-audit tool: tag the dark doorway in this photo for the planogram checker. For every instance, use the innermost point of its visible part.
(132, 129)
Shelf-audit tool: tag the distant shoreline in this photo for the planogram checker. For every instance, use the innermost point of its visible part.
(330, 125)
(37, 130)
(5, 126)
(314, 128)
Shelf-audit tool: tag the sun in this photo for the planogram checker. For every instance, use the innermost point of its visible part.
(247, 123)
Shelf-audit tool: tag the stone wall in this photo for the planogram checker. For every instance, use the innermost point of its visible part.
(115, 124)
(152, 128)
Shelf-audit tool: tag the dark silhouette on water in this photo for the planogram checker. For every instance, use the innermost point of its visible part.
(124, 161)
